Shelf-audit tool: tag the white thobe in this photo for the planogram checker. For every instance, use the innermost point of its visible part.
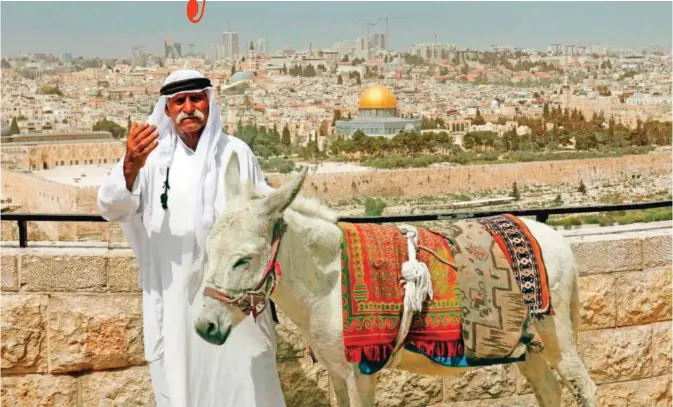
(240, 373)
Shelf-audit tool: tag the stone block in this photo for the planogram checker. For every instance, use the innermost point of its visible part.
(652, 392)
(403, 389)
(643, 297)
(95, 332)
(122, 387)
(57, 270)
(620, 354)
(481, 383)
(597, 296)
(9, 271)
(39, 391)
(657, 251)
(122, 272)
(661, 349)
(527, 400)
(291, 344)
(606, 254)
(24, 333)
(304, 383)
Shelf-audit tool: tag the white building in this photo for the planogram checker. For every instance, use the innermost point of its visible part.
(230, 44)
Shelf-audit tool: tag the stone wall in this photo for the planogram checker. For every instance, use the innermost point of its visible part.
(477, 178)
(72, 331)
(45, 155)
(39, 195)
(36, 194)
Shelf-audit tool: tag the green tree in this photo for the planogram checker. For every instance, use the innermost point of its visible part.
(515, 192)
(582, 188)
(286, 139)
(14, 127)
(110, 126)
(374, 207)
(337, 116)
(478, 120)
(340, 80)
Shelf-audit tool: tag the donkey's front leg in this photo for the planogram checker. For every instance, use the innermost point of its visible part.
(361, 388)
(340, 388)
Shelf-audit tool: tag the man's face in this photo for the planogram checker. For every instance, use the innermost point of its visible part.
(189, 111)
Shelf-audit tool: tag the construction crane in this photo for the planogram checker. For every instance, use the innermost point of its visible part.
(387, 20)
(368, 24)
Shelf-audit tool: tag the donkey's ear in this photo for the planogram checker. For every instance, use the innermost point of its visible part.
(280, 199)
(232, 178)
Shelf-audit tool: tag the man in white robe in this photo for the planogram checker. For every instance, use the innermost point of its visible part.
(166, 192)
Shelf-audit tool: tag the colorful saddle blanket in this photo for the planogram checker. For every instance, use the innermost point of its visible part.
(478, 314)
(372, 257)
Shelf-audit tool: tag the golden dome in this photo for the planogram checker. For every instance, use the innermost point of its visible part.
(378, 97)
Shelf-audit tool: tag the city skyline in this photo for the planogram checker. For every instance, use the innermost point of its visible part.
(117, 27)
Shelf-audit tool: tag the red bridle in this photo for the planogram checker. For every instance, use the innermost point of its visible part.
(256, 299)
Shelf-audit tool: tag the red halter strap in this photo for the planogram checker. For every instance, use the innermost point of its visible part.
(255, 300)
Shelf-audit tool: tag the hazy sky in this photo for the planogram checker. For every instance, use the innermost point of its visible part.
(110, 29)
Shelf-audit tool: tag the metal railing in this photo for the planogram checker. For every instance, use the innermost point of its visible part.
(541, 215)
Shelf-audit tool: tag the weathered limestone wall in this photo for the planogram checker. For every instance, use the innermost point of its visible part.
(72, 332)
(476, 178)
(36, 194)
(39, 195)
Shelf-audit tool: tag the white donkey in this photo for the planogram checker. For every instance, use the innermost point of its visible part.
(241, 278)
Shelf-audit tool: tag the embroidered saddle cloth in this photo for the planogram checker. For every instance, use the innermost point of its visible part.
(503, 285)
(478, 314)
(372, 257)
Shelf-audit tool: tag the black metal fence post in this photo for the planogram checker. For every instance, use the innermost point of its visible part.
(23, 233)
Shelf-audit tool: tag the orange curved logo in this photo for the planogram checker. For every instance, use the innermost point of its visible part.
(193, 8)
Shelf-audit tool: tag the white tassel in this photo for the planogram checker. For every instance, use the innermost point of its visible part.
(416, 275)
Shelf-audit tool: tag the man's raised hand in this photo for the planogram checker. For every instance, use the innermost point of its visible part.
(140, 142)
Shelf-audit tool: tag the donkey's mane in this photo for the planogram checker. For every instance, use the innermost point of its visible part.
(313, 208)
(309, 207)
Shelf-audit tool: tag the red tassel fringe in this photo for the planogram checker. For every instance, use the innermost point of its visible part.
(378, 353)
(444, 349)
(374, 353)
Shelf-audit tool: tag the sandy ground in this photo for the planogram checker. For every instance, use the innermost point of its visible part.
(93, 175)
(335, 167)
(78, 175)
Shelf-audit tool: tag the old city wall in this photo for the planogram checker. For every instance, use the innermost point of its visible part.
(475, 178)
(36, 194)
(72, 332)
(50, 155)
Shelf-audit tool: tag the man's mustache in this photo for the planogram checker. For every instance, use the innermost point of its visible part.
(196, 114)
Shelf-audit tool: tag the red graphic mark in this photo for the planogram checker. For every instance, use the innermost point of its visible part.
(193, 8)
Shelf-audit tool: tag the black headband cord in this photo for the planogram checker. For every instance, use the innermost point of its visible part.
(185, 85)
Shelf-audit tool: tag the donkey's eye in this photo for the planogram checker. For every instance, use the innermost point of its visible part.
(242, 261)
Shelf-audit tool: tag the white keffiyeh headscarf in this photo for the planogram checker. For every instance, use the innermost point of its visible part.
(206, 174)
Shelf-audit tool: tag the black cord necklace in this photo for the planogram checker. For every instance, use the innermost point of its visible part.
(164, 196)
